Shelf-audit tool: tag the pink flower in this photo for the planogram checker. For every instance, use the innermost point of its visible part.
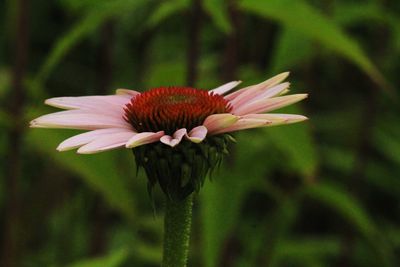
(167, 114)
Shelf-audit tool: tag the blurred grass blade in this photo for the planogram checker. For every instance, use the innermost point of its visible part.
(222, 199)
(82, 28)
(99, 171)
(346, 205)
(114, 259)
(298, 145)
(305, 250)
(165, 10)
(305, 19)
(292, 49)
(218, 11)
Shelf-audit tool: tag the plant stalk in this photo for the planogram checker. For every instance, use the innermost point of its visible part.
(177, 225)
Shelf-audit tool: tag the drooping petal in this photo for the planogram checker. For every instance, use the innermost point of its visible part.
(197, 134)
(129, 92)
(264, 85)
(277, 119)
(243, 124)
(89, 102)
(218, 121)
(255, 94)
(77, 119)
(106, 142)
(85, 138)
(225, 88)
(144, 138)
(268, 104)
(175, 139)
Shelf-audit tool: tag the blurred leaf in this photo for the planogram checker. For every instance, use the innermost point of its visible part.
(84, 27)
(5, 119)
(368, 12)
(306, 250)
(5, 80)
(305, 19)
(99, 171)
(345, 204)
(222, 198)
(171, 73)
(292, 49)
(384, 176)
(166, 9)
(149, 253)
(388, 144)
(114, 259)
(278, 228)
(218, 11)
(220, 206)
(342, 201)
(296, 142)
(339, 159)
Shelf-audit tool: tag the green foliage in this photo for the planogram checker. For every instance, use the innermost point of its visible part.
(318, 193)
(165, 10)
(217, 9)
(103, 177)
(311, 23)
(90, 22)
(114, 259)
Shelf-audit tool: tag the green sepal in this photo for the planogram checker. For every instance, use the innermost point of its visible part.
(181, 170)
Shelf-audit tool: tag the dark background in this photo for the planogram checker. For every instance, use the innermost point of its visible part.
(325, 192)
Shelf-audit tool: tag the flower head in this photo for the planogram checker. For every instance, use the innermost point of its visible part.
(177, 134)
(167, 114)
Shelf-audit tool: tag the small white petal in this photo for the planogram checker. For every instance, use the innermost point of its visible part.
(197, 134)
(144, 138)
(225, 88)
(129, 92)
(175, 139)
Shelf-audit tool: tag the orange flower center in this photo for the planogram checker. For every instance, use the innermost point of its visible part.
(171, 108)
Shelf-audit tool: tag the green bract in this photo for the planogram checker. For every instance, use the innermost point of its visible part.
(182, 169)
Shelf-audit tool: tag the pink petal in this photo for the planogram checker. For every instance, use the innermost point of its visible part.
(268, 104)
(85, 138)
(277, 119)
(77, 119)
(218, 121)
(255, 93)
(197, 134)
(107, 142)
(270, 92)
(175, 139)
(225, 88)
(144, 138)
(266, 84)
(89, 102)
(131, 93)
(243, 124)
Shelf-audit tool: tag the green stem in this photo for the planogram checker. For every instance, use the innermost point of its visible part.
(177, 223)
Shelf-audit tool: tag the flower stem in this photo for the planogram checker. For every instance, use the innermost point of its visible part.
(177, 224)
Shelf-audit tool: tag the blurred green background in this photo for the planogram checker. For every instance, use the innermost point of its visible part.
(321, 193)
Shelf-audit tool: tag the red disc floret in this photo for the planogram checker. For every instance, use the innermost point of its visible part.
(171, 108)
